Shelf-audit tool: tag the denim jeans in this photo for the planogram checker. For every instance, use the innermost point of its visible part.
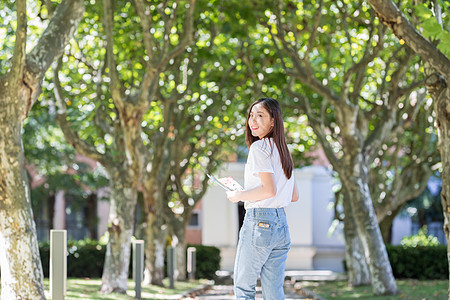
(263, 245)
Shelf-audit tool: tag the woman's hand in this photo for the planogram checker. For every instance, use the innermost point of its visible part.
(234, 196)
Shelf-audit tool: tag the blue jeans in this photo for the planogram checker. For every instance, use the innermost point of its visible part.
(263, 245)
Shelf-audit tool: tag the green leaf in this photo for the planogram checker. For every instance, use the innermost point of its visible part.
(431, 28)
(422, 11)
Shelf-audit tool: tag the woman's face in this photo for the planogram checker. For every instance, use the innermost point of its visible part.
(260, 121)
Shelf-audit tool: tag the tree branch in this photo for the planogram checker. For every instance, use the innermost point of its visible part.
(187, 37)
(360, 67)
(56, 36)
(145, 16)
(71, 135)
(381, 132)
(110, 61)
(18, 59)
(312, 38)
(391, 16)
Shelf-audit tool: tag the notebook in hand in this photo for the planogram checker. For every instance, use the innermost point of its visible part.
(227, 183)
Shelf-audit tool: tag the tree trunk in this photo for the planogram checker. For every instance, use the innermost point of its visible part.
(120, 228)
(22, 276)
(155, 241)
(155, 207)
(442, 109)
(21, 270)
(91, 216)
(386, 228)
(438, 86)
(178, 227)
(386, 225)
(356, 185)
(357, 269)
(180, 250)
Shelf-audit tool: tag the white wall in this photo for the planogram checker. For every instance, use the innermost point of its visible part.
(400, 227)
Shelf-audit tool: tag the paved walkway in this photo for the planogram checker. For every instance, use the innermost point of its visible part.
(225, 292)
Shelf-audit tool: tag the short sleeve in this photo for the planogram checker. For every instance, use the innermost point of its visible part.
(259, 159)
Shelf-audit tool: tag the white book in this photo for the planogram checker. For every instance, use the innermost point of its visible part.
(227, 183)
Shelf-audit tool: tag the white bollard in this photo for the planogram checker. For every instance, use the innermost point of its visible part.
(138, 266)
(171, 266)
(58, 264)
(191, 262)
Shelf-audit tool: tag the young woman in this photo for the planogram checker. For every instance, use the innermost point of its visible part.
(269, 187)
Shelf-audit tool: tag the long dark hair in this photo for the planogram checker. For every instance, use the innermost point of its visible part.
(276, 133)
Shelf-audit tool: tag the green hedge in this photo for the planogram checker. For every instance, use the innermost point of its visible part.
(421, 262)
(207, 261)
(86, 257)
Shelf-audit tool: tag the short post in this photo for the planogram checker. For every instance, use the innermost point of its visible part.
(191, 261)
(171, 265)
(58, 263)
(138, 266)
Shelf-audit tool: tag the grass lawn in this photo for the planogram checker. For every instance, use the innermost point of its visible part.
(79, 288)
(410, 289)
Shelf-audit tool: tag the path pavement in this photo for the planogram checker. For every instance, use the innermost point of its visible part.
(225, 292)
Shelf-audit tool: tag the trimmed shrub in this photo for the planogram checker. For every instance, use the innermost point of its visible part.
(85, 258)
(420, 262)
(207, 261)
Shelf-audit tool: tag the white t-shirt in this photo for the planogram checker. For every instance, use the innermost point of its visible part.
(263, 156)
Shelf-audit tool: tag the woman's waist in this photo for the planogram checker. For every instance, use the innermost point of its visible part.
(265, 211)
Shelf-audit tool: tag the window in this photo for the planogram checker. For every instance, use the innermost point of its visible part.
(194, 222)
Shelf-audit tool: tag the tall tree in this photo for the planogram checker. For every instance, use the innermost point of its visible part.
(405, 162)
(122, 77)
(195, 109)
(437, 70)
(200, 94)
(21, 269)
(337, 78)
(202, 139)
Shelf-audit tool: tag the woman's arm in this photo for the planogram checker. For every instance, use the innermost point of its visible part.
(266, 190)
(295, 193)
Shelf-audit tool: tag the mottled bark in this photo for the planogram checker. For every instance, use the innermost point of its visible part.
(155, 239)
(180, 247)
(440, 91)
(442, 108)
(22, 276)
(155, 235)
(154, 187)
(21, 270)
(120, 229)
(357, 269)
(356, 182)
(180, 250)
(386, 225)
